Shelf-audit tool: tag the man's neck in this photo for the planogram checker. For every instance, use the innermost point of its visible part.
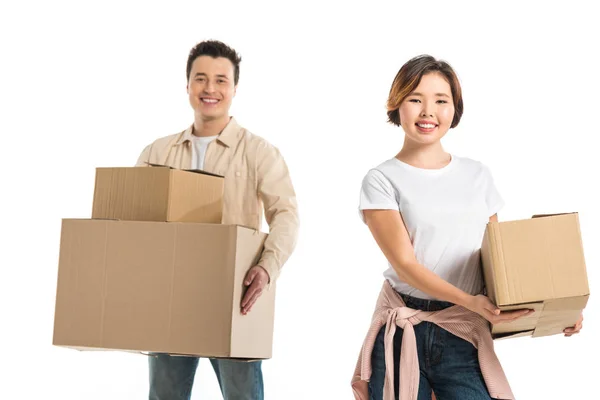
(204, 128)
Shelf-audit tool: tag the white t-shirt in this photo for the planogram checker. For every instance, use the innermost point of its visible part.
(200, 144)
(445, 212)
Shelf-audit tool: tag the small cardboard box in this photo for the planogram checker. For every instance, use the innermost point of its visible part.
(166, 287)
(536, 263)
(158, 193)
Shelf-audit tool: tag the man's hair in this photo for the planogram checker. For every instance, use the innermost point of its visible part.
(214, 49)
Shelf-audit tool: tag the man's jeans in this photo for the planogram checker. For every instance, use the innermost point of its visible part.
(447, 363)
(172, 377)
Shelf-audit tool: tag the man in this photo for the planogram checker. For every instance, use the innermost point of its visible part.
(255, 175)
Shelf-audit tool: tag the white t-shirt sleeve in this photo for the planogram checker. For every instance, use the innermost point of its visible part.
(492, 196)
(377, 193)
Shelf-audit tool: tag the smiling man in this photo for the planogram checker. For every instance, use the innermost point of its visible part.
(256, 178)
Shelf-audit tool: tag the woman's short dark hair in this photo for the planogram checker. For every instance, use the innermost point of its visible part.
(409, 77)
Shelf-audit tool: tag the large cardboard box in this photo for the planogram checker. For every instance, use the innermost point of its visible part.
(158, 193)
(536, 263)
(160, 287)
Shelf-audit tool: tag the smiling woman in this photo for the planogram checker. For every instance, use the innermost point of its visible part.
(427, 210)
(408, 79)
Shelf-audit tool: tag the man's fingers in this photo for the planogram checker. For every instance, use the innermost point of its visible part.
(255, 282)
(249, 293)
(250, 277)
(255, 289)
(251, 302)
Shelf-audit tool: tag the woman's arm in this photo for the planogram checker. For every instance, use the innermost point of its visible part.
(392, 237)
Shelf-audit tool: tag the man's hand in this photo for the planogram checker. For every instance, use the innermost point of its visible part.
(256, 280)
(574, 329)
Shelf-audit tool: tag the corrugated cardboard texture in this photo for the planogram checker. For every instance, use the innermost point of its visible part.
(537, 263)
(137, 194)
(157, 194)
(157, 287)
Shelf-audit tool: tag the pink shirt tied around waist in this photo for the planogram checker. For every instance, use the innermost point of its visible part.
(392, 311)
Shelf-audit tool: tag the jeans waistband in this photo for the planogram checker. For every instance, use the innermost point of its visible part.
(424, 304)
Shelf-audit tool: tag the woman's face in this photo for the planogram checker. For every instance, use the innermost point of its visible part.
(426, 114)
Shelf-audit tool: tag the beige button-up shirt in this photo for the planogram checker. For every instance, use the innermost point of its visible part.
(256, 176)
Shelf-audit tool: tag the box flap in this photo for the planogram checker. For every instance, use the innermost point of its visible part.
(157, 165)
(197, 171)
(551, 215)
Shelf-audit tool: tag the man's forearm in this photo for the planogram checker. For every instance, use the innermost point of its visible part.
(279, 245)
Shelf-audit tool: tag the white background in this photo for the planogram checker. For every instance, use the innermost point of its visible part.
(85, 84)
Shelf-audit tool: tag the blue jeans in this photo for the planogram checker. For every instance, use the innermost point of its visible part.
(172, 377)
(447, 363)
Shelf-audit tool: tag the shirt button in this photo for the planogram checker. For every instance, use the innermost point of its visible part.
(238, 173)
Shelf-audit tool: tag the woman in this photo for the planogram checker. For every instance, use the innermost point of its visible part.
(427, 210)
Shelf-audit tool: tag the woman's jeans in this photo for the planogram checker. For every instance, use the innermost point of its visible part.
(447, 363)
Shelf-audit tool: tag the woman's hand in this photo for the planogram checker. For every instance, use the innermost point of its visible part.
(483, 306)
(574, 329)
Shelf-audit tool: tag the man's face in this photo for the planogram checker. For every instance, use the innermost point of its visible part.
(211, 87)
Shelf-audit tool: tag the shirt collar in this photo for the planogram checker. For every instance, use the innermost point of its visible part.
(229, 136)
